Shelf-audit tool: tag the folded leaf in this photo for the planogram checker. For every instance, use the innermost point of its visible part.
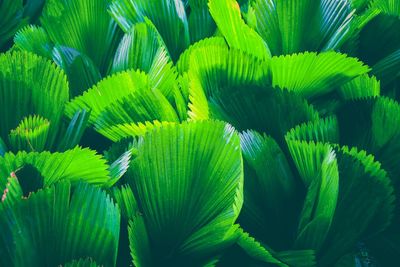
(31, 85)
(187, 180)
(83, 25)
(312, 74)
(52, 227)
(237, 33)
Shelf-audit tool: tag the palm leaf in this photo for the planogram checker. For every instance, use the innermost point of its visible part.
(30, 135)
(74, 131)
(81, 70)
(209, 44)
(318, 169)
(270, 190)
(322, 130)
(83, 25)
(142, 48)
(363, 86)
(169, 17)
(58, 227)
(282, 24)
(312, 74)
(194, 174)
(237, 33)
(34, 39)
(201, 24)
(35, 87)
(365, 204)
(124, 99)
(58, 166)
(11, 13)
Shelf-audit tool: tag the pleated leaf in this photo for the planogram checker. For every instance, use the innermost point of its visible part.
(11, 13)
(142, 48)
(30, 135)
(201, 24)
(73, 165)
(312, 74)
(51, 228)
(31, 85)
(365, 204)
(169, 17)
(34, 39)
(282, 24)
(187, 180)
(270, 190)
(84, 25)
(81, 70)
(363, 86)
(238, 34)
(106, 92)
(322, 130)
(318, 168)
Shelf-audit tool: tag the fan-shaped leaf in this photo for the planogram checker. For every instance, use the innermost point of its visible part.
(169, 17)
(312, 74)
(81, 71)
(83, 25)
(49, 229)
(282, 24)
(31, 85)
(363, 86)
(34, 39)
(30, 135)
(187, 180)
(11, 14)
(73, 165)
(237, 33)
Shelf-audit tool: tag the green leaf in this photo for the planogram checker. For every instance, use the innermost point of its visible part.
(385, 121)
(322, 130)
(387, 69)
(124, 99)
(237, 33)
(319, 162)
(11, 13)
(256, 251)
(105, 92)
(85, 26)
(264, 109)
(365, 204)
(139, 242)
(201, 24)
(169, 17)
(142, 48)
(206, 45)
(30, 135)
(73, 165)
(212, 68)
(269, 209)
(188, 180)
(34, 39)
(363, 86)
(313, 74)
(378, 38)
(52, 227)
(82, 263)
(298, 258)
(75, 130)
(126, 202)
(81, 71)
(282, 24)
(31, 85)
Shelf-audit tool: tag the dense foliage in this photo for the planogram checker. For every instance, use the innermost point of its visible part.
(200, 133)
